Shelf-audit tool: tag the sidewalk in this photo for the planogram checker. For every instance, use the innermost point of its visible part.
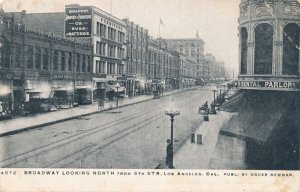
(198, 156)
(12, 126)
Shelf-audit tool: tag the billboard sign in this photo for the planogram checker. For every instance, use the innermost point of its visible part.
(78, 22)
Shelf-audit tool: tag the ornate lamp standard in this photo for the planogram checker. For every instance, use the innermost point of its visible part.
(172, 112)
(213, 109)
(117, 86)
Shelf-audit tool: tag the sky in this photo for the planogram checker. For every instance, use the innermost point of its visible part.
(215, 20)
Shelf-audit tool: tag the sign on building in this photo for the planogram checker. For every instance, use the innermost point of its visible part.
(78, 22)
(272, 85)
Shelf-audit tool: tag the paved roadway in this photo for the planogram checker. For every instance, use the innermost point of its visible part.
(130, 137)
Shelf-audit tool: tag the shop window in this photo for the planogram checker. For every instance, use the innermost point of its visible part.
(290, 64)
(244, 50)
(263, 49)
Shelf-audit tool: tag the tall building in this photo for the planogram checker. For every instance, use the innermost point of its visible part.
(187, 71)
(89, 24)
(193, 48)
(136, 61)
(269, 82)
(36, 66)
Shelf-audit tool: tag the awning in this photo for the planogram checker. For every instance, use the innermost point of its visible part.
(255, 121)
(234, 102)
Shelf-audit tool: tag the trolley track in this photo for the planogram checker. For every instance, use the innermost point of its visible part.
(53, 145)
(119, 134)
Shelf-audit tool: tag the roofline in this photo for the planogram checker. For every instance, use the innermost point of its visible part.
(184, 39)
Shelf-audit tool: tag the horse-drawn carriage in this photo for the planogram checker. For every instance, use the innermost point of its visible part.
(204, 110)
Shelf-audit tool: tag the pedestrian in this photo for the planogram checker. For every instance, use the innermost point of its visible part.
(169, 154)
(100, 103)
(1, 108)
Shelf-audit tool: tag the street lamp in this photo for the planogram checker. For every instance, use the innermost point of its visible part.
(172, 112)
(213, 110)
(117, 86)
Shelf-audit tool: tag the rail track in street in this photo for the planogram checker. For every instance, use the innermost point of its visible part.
(67, 157)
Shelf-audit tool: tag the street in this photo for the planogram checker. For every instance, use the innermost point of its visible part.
(130, 137)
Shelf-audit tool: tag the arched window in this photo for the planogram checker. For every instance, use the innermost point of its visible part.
(244, 49)
(290, 64)
(263, 49)
(4, 54)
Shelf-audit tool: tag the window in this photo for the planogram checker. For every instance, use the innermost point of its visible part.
(244, 49)
(29, 57)
(88, 65)
(290, 64)
(18, 55)
(102, 30)
(98, 29)
(77, 62)
(263, 49)
(83, 63)
(55, 60)
(63, 61)
(4, 54)
(70, 62)
(38, 58)
(45, 59)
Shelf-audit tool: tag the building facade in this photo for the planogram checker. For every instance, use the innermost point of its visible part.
(34, 65)
(269, 41)
(193, 49)
(269, 82)
(89, 24)
(108, 37)
(136, 61)
(187, 72)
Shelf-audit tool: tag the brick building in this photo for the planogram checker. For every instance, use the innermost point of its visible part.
(36, 66)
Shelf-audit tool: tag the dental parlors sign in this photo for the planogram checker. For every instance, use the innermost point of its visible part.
(270, 85)
(78, 22)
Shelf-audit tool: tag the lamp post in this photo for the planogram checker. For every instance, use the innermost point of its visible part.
(172, 113)
(213, 110)
(117, 86)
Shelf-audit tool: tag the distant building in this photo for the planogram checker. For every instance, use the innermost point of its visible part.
(193, 48)
(34, 65)
(187, 72)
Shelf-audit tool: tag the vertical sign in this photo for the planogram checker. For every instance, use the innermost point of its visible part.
(78, 22)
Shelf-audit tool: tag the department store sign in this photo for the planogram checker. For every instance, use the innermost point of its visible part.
(278, 85)
(78, 22)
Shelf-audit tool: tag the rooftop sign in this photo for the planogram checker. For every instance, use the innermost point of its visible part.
(78, 22)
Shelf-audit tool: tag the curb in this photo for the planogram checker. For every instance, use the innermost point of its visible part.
(78, 116)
